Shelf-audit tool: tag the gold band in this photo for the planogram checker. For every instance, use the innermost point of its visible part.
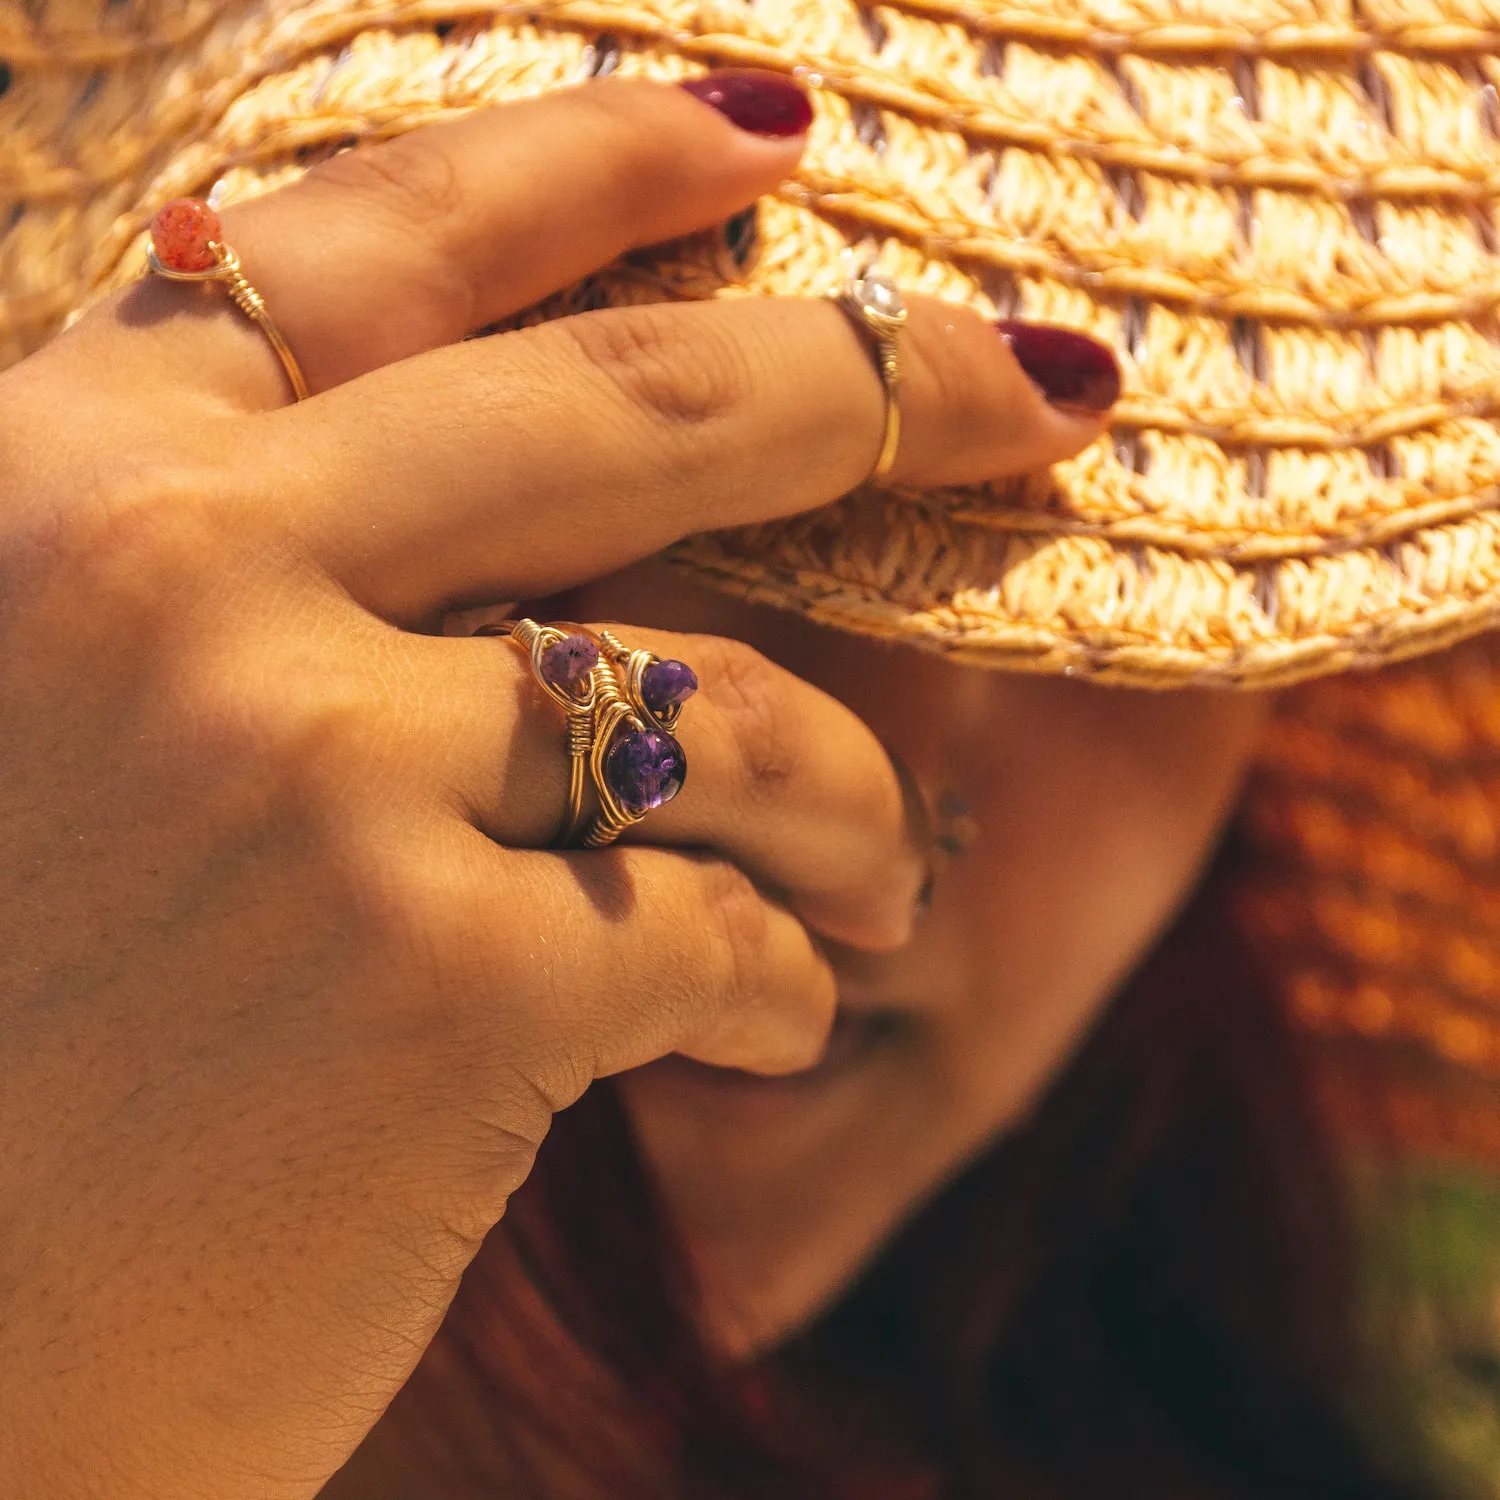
(633, 708)
(621, 707)
(874, 303)
(579, 708)
(890, 373)
(246, 298)
(630, 666)
(612, 712)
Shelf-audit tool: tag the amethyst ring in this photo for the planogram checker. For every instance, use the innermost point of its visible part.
(656, 689)
(565, 662)
(622, 707)
(637, 763)
(873, 302)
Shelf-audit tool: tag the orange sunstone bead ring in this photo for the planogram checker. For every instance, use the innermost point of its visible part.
(187, 244)
(183, 233)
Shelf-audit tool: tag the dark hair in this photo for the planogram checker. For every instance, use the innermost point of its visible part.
(1147, 1290)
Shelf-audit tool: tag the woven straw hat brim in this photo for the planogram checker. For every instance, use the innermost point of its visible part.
(1285, 223)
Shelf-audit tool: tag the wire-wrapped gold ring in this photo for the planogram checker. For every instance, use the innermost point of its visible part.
(565, 662)
(655, 688)
(187, 244)
(621, 708)
(636, 762)
(874, 302)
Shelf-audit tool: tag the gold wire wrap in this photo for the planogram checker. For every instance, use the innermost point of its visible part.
(534, 639)
(612, 711)
(631, 666)
(246, 298)
(884, 329)
(611, 701)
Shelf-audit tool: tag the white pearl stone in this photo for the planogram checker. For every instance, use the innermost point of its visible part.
(879, 293)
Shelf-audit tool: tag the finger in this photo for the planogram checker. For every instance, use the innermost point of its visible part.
(390, 249)
(632, 953)
(784, 781)
(516, 466)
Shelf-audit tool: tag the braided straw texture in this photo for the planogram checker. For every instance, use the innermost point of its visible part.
(1281, 213)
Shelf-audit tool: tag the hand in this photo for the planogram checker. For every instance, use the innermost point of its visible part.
(289, 989)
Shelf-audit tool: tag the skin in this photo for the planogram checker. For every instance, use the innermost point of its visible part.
(1092, 812)
(290, 985)
(1107, 800)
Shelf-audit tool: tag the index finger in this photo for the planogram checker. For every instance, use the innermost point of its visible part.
(521, 465)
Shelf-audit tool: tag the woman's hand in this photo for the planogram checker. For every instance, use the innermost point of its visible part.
(289, 989)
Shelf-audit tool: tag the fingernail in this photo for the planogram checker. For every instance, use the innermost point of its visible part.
(1071, 369)
(762, 103)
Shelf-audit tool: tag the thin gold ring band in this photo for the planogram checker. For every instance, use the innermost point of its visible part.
(875, 305)
(535, 640)
(246, 298)
(890, 373)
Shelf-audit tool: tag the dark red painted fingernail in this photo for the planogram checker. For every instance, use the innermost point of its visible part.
(1071, 369)
(762, 103)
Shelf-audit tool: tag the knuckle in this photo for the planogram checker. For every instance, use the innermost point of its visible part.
(739, 930)
(133, 543)
(401, 911)
(411, 898)
(754, 696)
(311, 744)
(679, 372)
(615, 114)
(411, 184)
(961, 389)
(411, 176)
(385, 897)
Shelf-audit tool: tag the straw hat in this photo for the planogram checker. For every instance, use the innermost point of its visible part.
(1281, 213)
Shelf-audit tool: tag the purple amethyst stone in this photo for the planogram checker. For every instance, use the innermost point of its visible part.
(644, 768)
(665, 684)
(567, 662)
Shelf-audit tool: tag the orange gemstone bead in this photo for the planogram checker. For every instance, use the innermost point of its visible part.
(181, 234)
